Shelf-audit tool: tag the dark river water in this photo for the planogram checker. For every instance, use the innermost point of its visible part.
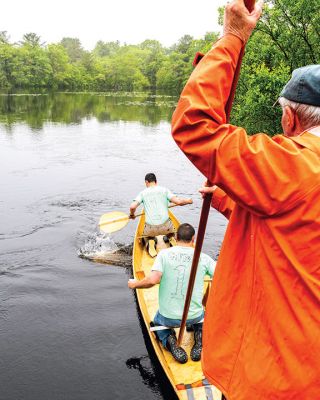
(69, 327)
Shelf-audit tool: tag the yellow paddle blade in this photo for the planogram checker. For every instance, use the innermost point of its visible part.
(113, 221)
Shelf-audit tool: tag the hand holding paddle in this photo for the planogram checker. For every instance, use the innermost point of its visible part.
(207, 189)
(240, 18)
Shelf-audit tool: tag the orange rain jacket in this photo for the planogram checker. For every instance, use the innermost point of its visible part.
(262, 324)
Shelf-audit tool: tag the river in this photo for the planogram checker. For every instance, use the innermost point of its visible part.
(69, 327)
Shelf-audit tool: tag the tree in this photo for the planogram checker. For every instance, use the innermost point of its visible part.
(105, 49)
(183, 44)
(32, 67)
(174, 72)
(31, 39)
(60, 66)
(4, 37)
(293, 30)
(154, 57)
(7, 65)
(177, 66)
(122, 71)
(74, 48)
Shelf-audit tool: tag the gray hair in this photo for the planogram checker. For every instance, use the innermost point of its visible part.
(308, 115)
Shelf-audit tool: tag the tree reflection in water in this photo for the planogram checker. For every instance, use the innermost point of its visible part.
(71, 108)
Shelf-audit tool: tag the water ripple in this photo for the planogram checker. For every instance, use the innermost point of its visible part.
(18, 235)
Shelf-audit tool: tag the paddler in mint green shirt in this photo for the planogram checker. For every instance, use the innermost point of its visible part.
(172, 270)
(155, 200)
(175, 264)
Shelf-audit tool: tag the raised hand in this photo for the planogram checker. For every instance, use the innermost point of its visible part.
(239, 21)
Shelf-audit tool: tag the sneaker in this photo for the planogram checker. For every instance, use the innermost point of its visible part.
(195, 353)
(178, 353)
(151, 247)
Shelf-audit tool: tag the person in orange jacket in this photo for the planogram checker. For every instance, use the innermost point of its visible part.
(262, 324)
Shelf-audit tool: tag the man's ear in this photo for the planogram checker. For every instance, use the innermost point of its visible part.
(288, 120)
(292, 123)
(290, 117)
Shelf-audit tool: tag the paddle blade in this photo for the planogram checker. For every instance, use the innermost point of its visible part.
(113, 221)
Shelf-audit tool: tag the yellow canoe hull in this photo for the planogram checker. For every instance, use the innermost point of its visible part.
(186, 379)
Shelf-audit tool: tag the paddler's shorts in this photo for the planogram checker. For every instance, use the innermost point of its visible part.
(162, 229)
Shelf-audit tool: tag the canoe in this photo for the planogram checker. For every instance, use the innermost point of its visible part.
(187, 379)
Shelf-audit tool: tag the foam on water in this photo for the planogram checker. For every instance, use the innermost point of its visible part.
(100, 247)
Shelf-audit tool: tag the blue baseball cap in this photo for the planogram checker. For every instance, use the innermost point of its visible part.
(304, 86)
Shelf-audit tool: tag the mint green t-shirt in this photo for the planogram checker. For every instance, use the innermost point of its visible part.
(175, 265)
(155, 200)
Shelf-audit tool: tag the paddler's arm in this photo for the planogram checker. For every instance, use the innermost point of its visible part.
(152, 279)
(180, 201)
(220, 200)
(133, 206)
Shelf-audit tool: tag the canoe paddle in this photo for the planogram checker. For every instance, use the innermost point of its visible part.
(116, 220)
(207, 200)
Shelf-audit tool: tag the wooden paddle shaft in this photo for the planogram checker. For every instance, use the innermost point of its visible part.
(112, 221)
(207, 201)
(196, 255)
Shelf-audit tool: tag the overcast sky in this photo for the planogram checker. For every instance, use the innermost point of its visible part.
(130, 21)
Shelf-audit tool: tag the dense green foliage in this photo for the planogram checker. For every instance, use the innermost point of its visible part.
(286, 37)
(110, 66)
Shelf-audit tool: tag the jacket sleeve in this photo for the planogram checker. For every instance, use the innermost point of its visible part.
(262, 174)
(222, 203)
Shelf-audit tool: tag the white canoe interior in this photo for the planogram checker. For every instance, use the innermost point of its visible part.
(187, 379)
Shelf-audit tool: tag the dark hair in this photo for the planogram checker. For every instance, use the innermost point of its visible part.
(185, 233)
(150, 178)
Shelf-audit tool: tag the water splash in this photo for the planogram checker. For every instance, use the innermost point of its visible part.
(97, 244)
(100, 247)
